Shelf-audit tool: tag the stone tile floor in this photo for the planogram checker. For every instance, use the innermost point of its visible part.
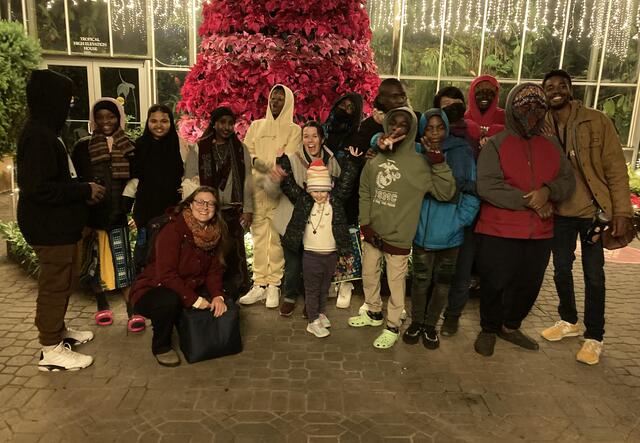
(288, 386)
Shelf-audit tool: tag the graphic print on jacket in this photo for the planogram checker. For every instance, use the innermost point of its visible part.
(388, 173)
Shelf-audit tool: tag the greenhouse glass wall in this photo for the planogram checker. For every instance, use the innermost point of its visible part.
(142, 49)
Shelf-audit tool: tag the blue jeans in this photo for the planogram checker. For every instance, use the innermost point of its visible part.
(459, 292)
(566, 230)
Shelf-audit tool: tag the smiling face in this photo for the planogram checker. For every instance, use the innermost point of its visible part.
(311, 140)
(106, 122)
(557, 92)
(224, 126)
(276, 102)
(159, 124)
(203, 207)
(485, 94)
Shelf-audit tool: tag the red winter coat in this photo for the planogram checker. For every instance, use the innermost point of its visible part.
(510, 166)
(180, 265)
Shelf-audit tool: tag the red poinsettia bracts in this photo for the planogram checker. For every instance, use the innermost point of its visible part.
(319, 49)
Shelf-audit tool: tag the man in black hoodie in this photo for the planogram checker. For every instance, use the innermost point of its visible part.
(52, 211)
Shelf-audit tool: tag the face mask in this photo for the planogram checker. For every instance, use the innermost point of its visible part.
(455, 112)
(341, 115)
(529, 110)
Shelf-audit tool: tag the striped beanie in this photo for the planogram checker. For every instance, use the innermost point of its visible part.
(318, 178)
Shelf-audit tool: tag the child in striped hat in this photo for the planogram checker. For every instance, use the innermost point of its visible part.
(319, 223)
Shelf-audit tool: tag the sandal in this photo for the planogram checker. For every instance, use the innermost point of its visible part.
(386, 339)
(136, 323)
(364, 320)
(104, 317)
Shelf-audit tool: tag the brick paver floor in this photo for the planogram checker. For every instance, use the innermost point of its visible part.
(290, 386)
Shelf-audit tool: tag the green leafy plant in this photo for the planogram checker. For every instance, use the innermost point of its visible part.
(18, 249)
(19, 55)
(634, 179)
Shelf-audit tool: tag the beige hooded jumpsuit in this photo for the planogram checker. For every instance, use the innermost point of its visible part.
(263, 140)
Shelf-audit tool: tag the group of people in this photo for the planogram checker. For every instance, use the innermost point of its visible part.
(451, 190)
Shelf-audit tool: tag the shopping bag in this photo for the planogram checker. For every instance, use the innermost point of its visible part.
(350, 267)
(203, 336)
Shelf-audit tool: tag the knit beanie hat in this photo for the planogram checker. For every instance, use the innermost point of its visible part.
(109, 106)
(318, 178)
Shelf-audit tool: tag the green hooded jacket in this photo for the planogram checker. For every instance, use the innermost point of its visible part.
(393, 185)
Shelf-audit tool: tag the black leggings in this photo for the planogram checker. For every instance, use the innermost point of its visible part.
(163, 307)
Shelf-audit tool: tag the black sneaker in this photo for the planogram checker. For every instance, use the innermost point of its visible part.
(412, 334)
(430, 338)
(450, 326)
(485, 343)
(517, 337)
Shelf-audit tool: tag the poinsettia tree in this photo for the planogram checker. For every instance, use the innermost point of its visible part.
(320, 49)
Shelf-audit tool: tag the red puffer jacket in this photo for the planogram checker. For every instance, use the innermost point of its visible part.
(510, 166)
(180, 266)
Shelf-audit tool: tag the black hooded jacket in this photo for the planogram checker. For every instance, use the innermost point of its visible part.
(158, 166)
(52, 208)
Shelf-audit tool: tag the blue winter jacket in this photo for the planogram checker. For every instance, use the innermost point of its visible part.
(441, 224)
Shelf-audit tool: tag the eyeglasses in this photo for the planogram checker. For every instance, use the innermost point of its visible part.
(204, 204)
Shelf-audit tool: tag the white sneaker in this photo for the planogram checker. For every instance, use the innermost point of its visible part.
(74, 337)
(273, 296)
(317, 329)
(344, 295)
(256, 294)
(333, 290)
(62, 358)
(324, 321)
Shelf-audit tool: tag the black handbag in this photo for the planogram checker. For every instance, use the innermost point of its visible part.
(203, 336)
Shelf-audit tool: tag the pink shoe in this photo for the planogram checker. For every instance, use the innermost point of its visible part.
(104, 317)
(136, 323)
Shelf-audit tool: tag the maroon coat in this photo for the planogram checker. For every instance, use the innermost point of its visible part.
(180, 265)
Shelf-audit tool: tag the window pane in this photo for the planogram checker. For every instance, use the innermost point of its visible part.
(462, 35)
(171, 23)
(503, 38)
(381, 17)
(420, 93)
(50, 25)
(421, 39)
(584, 38)
(129, 27)
(89, 27)
(617, 103)
(543, 43)
(16, 10)
(621, 55)
(169, 84)
(122, 82)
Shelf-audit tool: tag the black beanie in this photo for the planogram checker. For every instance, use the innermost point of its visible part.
(109, 106)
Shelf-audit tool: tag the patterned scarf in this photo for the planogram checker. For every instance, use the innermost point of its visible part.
(529, 110)
(206, 237)
(122, 147)
(214, 172)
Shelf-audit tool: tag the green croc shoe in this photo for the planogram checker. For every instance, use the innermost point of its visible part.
(386, 339)
(364, 320)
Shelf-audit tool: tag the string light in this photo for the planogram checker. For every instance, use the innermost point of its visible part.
(587, 19)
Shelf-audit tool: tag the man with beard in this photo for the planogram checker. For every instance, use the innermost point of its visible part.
(590, 142)
(484, 95)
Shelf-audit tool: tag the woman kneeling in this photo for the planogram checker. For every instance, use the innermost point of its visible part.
(185, 270)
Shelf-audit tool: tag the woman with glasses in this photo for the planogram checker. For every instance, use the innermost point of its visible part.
(185, 269)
